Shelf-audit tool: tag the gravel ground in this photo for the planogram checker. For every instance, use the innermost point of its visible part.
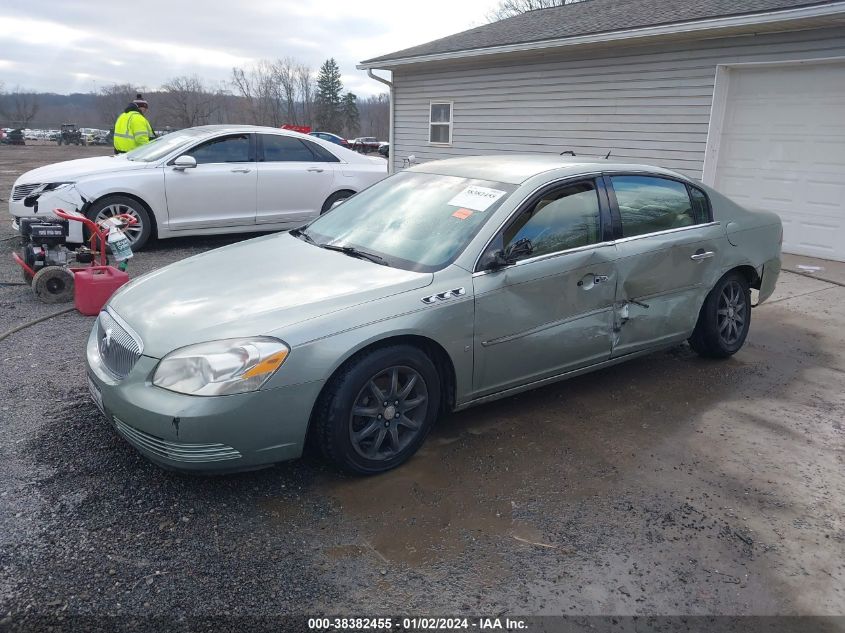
(668, 485)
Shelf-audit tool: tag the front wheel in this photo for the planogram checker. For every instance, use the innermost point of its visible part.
(110, 206)
(724, 319)
(377, 411)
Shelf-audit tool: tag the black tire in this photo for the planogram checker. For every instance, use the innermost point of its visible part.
(59, 141)
(53, 284)
(338, 195)
(396, 431)
(724, 319)
(112, 205)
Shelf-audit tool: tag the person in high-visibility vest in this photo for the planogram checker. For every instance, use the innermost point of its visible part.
(132, 129)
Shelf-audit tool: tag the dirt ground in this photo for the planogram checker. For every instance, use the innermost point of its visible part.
(667, 485)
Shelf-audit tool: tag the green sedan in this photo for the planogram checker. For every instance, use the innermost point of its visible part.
(449, 284)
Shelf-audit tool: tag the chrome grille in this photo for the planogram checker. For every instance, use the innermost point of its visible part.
(119, 350)
(22, 191)
(175, 451)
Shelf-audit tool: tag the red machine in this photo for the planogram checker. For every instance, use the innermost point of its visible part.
(58, 274)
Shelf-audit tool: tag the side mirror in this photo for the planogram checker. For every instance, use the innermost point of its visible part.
(518, 250)
(184, 162)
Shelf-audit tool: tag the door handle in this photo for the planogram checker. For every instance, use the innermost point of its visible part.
(241, 170)
(701, 255)
(590, 280)
(317, 169)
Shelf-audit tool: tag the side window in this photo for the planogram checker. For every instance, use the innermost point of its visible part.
(321, 154)
(648, 204)
(279, 149)
(440, 123)
(227, 149)
(562, 219)
(700, 206)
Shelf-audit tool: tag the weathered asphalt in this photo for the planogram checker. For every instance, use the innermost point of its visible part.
(668, 485)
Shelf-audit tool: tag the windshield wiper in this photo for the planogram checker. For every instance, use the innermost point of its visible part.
(354, 252)
(302, 234)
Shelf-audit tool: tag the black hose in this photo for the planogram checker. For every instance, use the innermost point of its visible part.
(6, 335)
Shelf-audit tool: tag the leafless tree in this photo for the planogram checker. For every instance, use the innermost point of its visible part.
(257, 86)
(510, 8)
(286, 87)
(112, 100)
(305, 82)
(187, 102)
(375, 116)
(19, 107)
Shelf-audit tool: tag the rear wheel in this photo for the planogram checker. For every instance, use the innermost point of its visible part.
(334, 199)
(53, 284)
(724, 319)
(377, 411)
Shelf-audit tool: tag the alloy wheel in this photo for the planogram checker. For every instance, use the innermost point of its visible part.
(388, 413)
(731, 315)
(133, 232)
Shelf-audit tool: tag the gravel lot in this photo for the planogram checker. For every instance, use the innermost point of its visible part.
(668, 485)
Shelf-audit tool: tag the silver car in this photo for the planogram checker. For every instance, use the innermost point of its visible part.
(447, 285)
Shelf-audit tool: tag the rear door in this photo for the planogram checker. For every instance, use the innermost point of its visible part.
(551, 310)
(668, 258)
(295, 177)
(219, 191)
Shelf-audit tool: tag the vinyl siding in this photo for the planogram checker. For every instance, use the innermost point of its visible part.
(646, 104)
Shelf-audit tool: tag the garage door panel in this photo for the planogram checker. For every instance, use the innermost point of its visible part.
(782, 148)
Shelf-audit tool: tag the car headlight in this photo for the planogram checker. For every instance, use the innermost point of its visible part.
(51, 186)
(218, 368)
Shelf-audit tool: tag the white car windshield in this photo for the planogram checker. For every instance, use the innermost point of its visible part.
(412, 220)
(162, 146)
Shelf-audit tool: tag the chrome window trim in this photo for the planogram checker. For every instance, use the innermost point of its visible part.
(129, 330)
(675, 230)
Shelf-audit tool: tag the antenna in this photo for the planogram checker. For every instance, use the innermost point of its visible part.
(569, 151)
(606, 156)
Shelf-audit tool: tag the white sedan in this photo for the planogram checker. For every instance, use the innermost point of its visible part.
(208, 180)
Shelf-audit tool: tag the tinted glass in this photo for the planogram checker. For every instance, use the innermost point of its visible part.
(563, 219)
(280, 149)
(163, 145)
(415, 221)
(648, 204)
(321, 154)
(700, 206)
(228, 149)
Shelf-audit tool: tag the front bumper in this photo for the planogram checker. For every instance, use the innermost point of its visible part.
(203, 434)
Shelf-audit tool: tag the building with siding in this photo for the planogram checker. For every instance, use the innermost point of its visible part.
(747, 96)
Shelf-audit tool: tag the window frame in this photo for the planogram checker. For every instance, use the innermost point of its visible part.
(252, 156)
(315, 158)
(605, 221)
(617, 216)
(450, 124)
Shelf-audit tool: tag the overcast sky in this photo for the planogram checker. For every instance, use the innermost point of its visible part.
(69, 46)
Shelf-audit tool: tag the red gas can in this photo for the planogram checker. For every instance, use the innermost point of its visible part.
(94, 286)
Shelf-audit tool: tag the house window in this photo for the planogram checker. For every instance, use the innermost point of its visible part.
(440, 123)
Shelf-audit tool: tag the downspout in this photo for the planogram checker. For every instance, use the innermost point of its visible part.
(389, 84)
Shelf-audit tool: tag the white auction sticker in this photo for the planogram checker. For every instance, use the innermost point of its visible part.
(476, 198)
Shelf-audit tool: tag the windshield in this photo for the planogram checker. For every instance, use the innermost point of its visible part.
(163, 145)
(412, 220)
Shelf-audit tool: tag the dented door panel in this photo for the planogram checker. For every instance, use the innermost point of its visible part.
(662, 281)
(540, 318)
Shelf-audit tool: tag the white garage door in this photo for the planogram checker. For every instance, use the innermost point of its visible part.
(783, 149)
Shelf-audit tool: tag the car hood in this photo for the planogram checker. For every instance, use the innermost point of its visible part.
(255, 287)
(71, 170)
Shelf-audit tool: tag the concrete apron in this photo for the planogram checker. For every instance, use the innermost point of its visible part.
(823, 269)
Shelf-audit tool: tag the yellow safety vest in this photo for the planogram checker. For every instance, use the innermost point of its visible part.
(131, 130)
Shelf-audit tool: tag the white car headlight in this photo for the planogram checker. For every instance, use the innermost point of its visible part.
(218, 368)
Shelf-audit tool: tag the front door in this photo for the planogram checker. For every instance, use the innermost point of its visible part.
(668, 259)
(295, 177)
(220, 191)
(550, 310)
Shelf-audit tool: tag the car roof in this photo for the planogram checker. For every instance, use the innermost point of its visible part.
(228, 128)
(517, 168)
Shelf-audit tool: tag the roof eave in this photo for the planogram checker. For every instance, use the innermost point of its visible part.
(697, 26)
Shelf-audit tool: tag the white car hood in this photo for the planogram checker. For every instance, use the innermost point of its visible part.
(71, 170)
